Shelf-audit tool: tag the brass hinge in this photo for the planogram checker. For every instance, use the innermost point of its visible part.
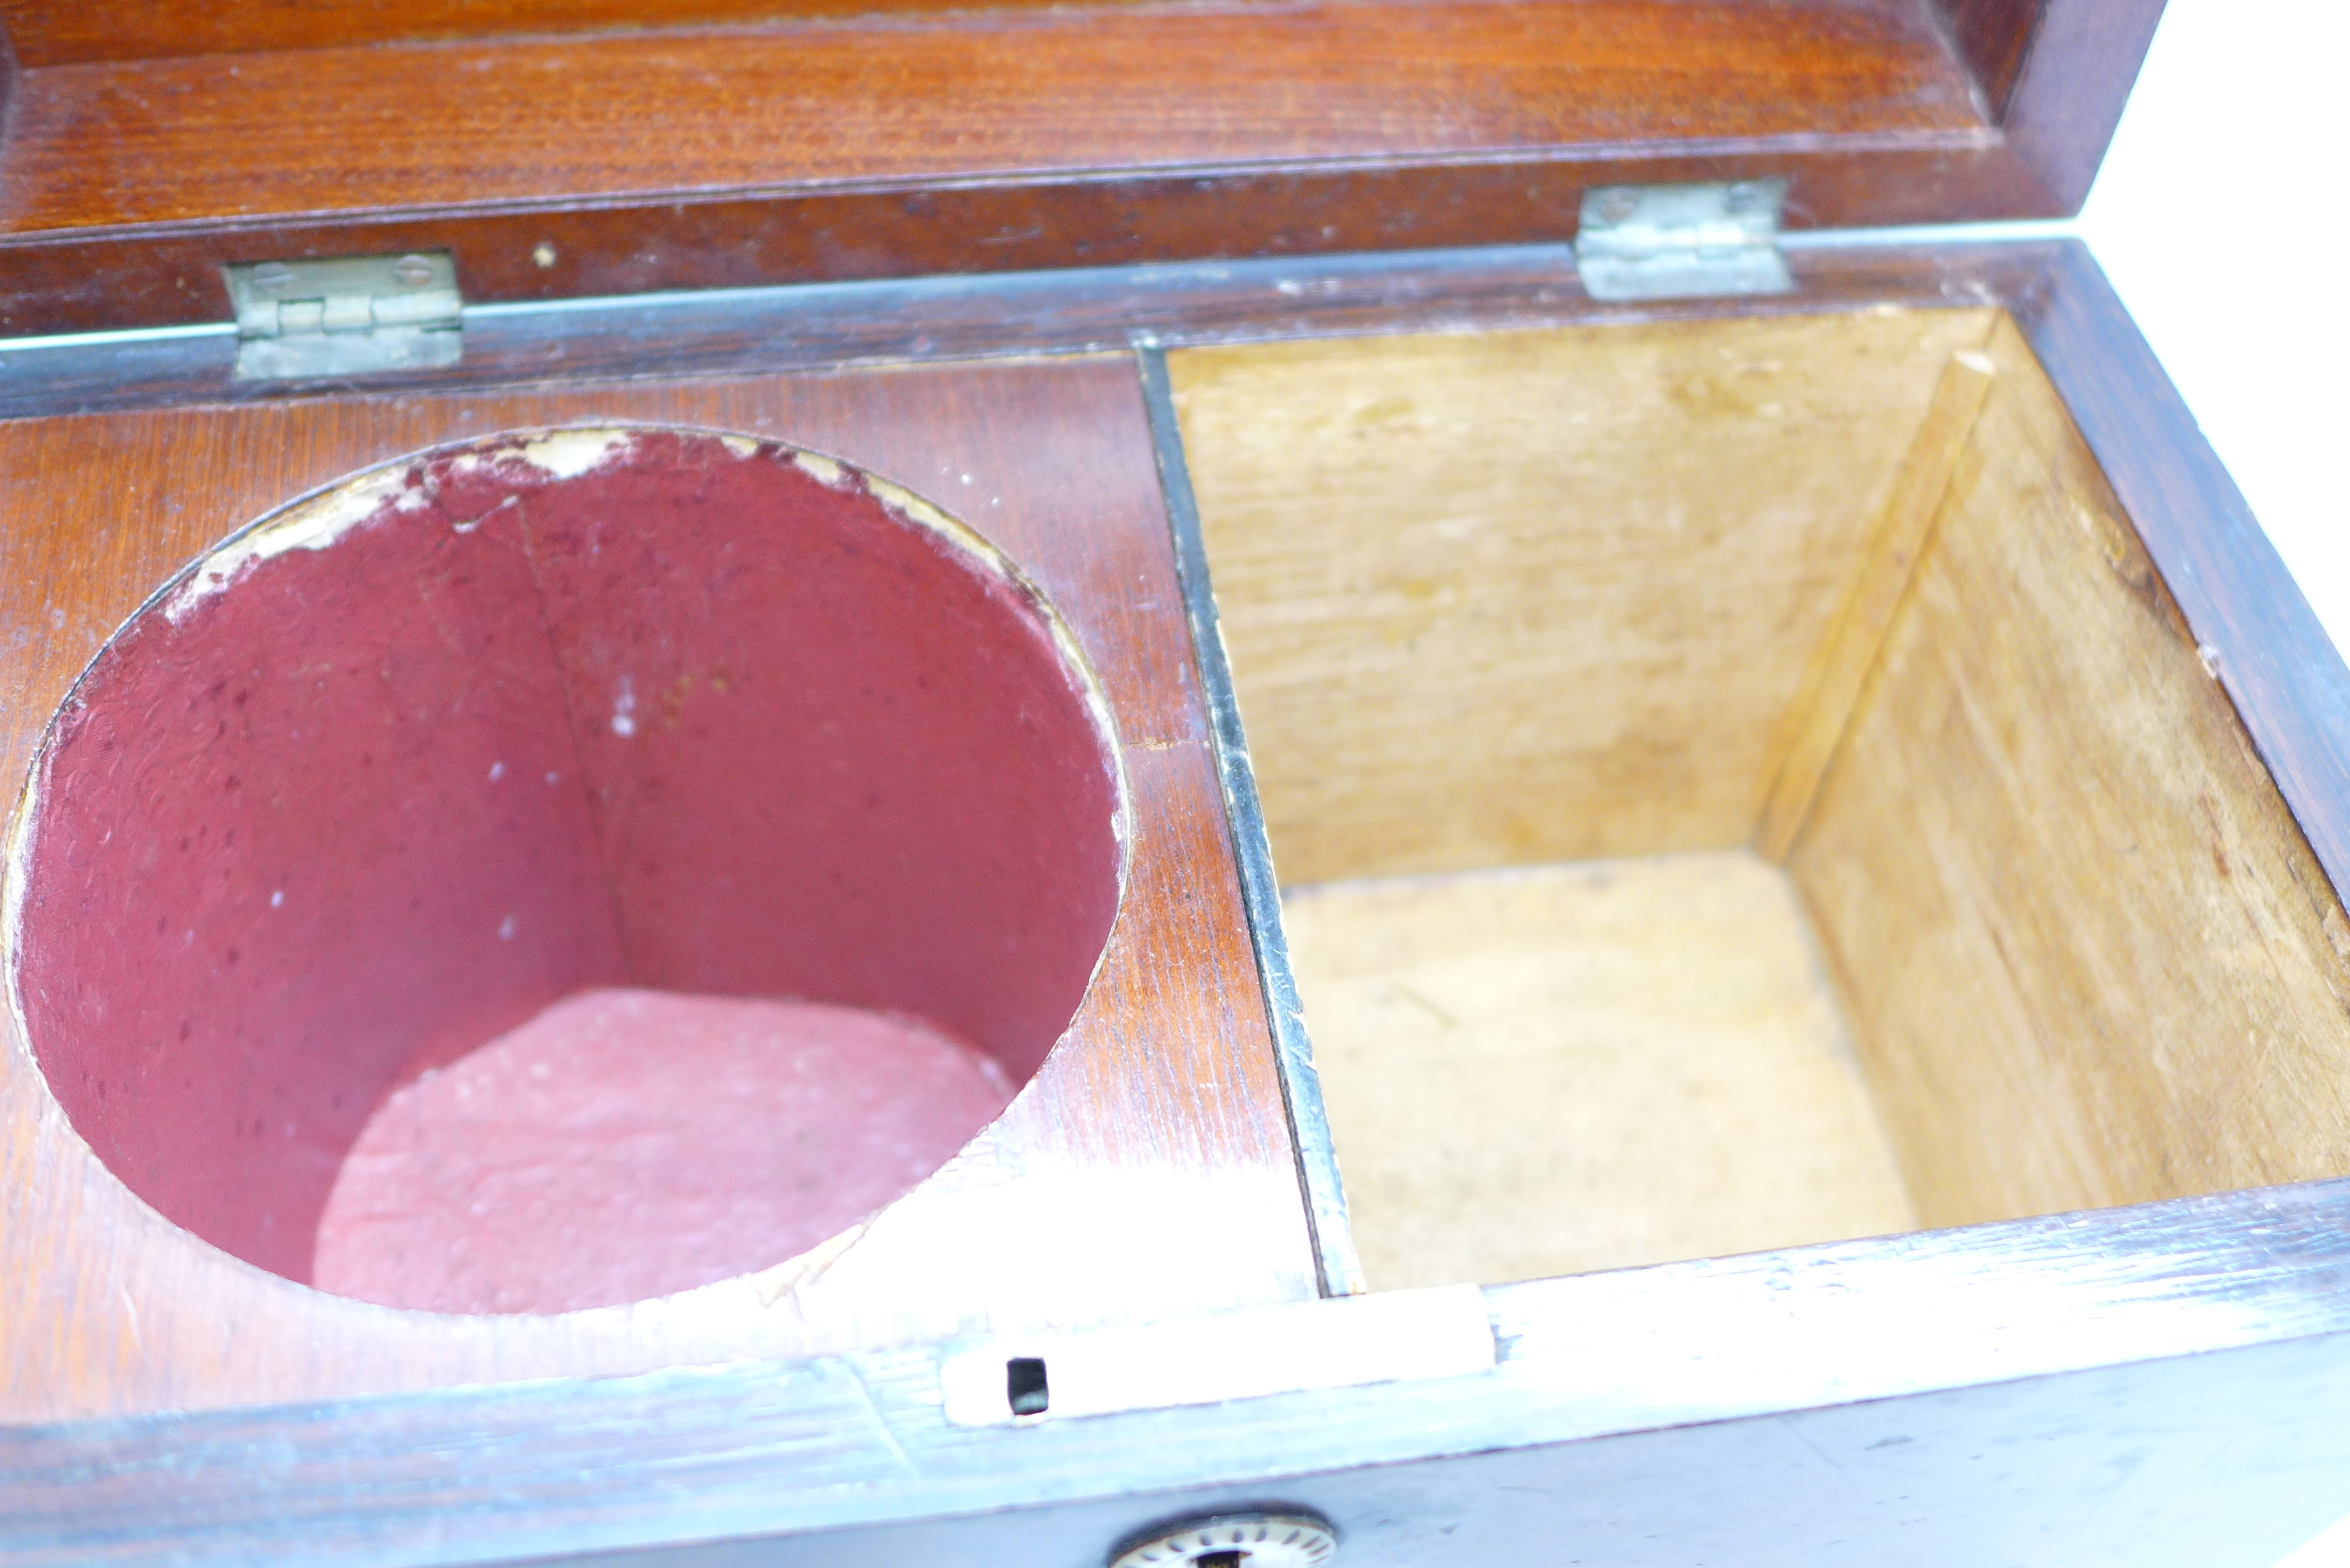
(1682, 242)
(350, 316)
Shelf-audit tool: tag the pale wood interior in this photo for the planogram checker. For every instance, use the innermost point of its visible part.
(1740, 783)
(2089, 955)
(1486, 1032)
(1519, 597)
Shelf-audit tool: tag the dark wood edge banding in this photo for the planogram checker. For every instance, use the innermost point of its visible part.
(2289, 683)
(77, 282)
(2048, 1339)
(830, 325)
(1301, 1085)
(2079, 60)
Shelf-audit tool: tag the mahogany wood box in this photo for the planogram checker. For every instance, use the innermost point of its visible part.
(1040, 788)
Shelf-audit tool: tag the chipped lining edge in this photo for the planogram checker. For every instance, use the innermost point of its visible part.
(15, 878)
(313, 524)
(820, 467)
(322, 520)
(568, 453)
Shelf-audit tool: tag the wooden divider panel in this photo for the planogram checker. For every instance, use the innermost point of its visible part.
(2088, 955)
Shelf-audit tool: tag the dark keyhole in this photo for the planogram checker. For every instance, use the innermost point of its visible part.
(1231, 1559)
(1024, 1383)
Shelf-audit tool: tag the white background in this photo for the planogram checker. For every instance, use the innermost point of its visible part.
(2218, 216)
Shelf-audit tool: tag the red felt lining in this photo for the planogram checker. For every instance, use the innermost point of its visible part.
(701, 718)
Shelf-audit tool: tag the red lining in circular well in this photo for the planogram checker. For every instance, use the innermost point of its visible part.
(651, 710)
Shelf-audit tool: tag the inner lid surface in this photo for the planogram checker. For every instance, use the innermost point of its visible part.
(583, 864)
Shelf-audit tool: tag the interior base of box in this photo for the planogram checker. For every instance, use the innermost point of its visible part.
(1554, 1069)
(628, 1143)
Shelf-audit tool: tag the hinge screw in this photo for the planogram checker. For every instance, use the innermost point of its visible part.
(1618, 205)
(412, 271)
(271, 277)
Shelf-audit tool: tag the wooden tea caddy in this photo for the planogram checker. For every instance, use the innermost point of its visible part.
(1752, 769)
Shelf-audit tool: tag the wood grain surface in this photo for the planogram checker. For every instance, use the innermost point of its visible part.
(1154, 1131)
(1845, 659)
(552, 122)
(49, 34)
(1540, 595)
(2054, 76)
(2287, 678)
(1991, 37)
(2030, 708)
(558, 167)
(2070, 81)
(2090, 957)
(1549, 1070)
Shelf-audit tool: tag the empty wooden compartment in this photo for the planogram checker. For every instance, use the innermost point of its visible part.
(1740, 783)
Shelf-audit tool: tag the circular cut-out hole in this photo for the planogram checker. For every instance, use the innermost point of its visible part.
(563, 870)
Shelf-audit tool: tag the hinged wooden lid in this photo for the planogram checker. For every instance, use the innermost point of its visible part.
(569, 148)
